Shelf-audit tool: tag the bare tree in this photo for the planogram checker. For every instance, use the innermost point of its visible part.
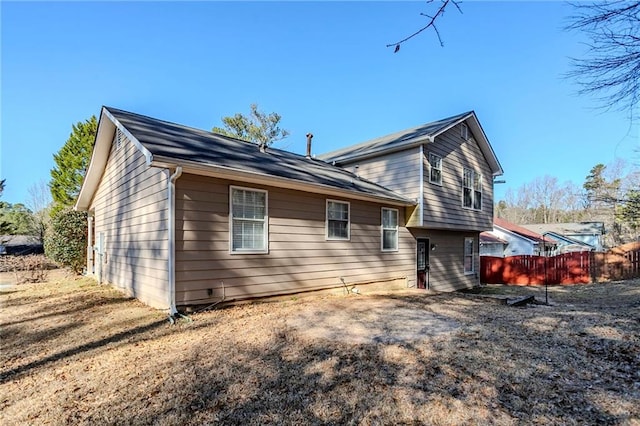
(542, 200)
(611, 69)
(39, 203)
(431, 23)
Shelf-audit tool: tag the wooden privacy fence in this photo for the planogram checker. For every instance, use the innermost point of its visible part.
(568, 268)
(616, 265)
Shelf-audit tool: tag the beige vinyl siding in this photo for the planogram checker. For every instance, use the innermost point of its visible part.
(447, 260)
(398, 171)
(299, 258)
(130, 208)
(443, 203)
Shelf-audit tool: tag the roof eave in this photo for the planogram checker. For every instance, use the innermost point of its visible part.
(100, 155)
(376, 152)
(223, 172)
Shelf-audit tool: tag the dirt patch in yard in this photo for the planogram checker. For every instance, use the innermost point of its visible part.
(74, 352)
(358, 320)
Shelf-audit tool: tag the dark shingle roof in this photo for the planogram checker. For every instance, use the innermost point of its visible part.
(397, 140)
(171, 141)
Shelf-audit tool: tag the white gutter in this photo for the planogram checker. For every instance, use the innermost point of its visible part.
(171, 198)
(229, 173)
(421, 174)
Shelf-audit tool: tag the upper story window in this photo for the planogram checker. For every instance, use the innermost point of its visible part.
(472, 189)
(469, 264)
(389, 229)
(464, 131)
(249, 221)
(338, 220)
(435, 169)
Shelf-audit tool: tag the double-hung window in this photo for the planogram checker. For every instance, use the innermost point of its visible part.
(435, 169)
(471, 189)
(337, 220)
(249, 220)
(389, 229)
(468, 256)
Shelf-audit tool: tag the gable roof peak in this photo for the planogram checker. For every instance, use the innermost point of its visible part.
(416, 136)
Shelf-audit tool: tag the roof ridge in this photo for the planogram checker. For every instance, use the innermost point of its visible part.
(398, 134)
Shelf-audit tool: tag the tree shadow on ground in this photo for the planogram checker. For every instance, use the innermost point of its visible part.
(538, 369)
(130, 335)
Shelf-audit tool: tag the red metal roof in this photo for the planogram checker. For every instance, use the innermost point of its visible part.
(509, 226)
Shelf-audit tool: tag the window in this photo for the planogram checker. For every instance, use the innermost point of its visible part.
(471, 189)
(468, 256)
(389, 229)
(435, 165)
(248, 220)
(337, 220)
(464, 131)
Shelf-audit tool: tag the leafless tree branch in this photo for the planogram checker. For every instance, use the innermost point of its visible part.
(430, 24)
(611, 69)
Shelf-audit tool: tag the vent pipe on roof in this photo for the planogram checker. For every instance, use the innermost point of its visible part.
(309, 137)
(263, 147)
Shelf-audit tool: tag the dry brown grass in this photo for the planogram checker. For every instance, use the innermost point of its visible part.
(77, 353)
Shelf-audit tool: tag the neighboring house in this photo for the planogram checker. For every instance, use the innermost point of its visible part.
(522, 241)
(567, 244)
(591, 233)
(448, 167)
(19, 245)
(491, 245)
(180, 216)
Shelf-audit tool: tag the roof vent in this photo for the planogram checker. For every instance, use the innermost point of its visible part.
(263, 147)
(309, 137)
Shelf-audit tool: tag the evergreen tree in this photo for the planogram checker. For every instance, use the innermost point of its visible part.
(629, 212)
(5, 226)
(71, 164)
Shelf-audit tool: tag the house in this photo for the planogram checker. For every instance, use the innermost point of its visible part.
(448, 167)
(567, 244)
(591, 233)
(20, 245)
(180, 216)
(522, 241)
(492, 245)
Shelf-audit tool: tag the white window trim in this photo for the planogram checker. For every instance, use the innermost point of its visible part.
(464, 131)
(382, 229)
(473, 255)
(266, 221)
(326, 220)
(473, 190)
(429, 162)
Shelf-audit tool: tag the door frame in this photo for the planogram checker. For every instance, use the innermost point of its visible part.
(422, 263)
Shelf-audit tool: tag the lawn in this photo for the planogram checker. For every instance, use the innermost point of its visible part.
(74, 352)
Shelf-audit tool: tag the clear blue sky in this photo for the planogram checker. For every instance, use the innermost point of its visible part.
(323, 66)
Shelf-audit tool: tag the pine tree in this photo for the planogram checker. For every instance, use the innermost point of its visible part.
(71, 163)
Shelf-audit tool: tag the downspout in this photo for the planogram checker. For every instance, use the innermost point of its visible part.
(171, 217)
(421, 185)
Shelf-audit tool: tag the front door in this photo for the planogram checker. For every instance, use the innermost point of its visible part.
(423, 263)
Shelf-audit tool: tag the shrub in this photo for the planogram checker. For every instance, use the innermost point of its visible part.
(33, 268)
(66, 240)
